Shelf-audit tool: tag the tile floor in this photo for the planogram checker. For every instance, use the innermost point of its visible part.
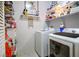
(30, 53)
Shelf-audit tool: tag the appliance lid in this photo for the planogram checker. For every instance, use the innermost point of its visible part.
(72, 35)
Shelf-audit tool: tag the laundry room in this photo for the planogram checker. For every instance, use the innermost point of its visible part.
(39, 28)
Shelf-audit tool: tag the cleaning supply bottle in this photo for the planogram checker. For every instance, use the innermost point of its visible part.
(61, 28)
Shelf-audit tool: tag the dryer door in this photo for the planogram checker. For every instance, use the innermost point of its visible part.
(60, 48)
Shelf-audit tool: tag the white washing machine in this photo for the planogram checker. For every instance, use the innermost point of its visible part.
(41, 42)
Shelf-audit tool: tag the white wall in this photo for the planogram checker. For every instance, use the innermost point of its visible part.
(18, 9)
(71, 29)
(25, 35)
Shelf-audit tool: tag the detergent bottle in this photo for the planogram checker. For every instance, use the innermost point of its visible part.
(61, 27)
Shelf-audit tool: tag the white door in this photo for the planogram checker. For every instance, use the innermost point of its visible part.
(2, 30)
